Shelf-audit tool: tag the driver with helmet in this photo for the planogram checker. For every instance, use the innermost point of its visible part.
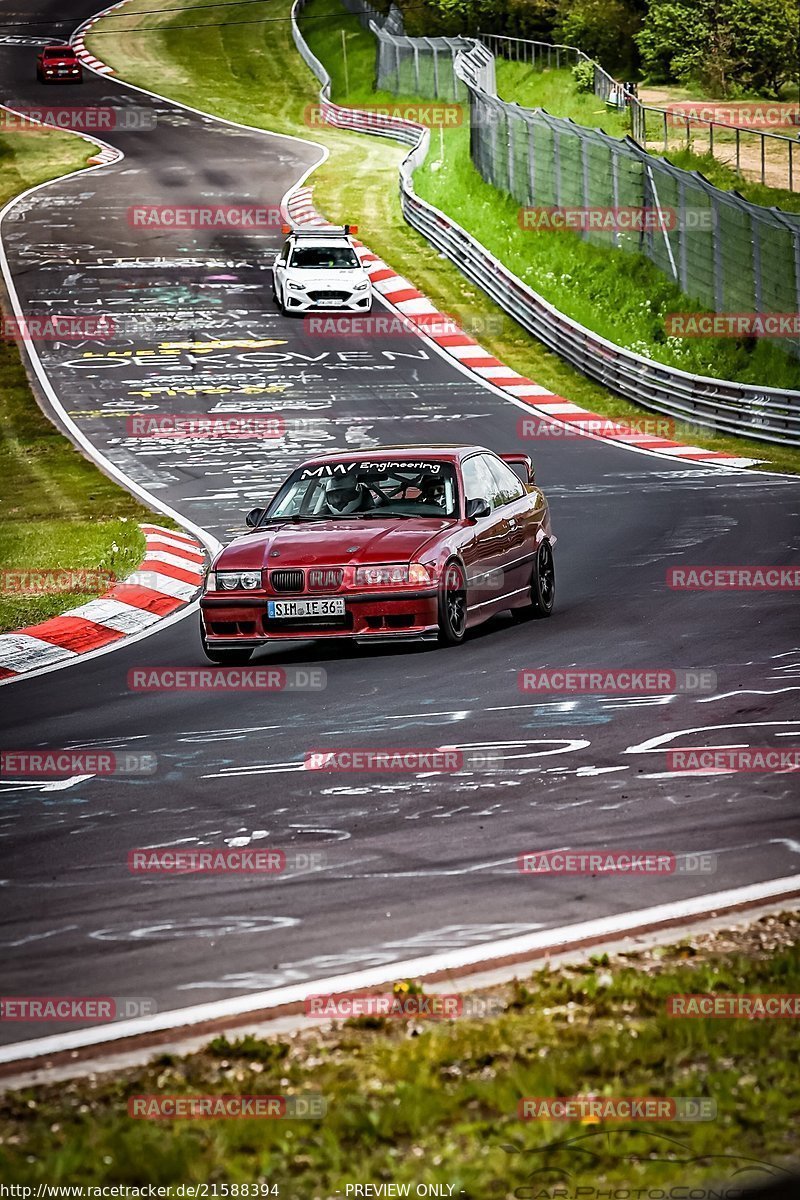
(346, 495)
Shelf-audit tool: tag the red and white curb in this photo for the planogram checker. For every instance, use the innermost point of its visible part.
(411, 303)
(77, 42)
(169, 577)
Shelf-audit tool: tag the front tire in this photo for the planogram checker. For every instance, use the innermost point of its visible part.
(453, 605)
(543, 586)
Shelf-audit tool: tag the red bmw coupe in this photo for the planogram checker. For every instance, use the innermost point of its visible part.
(399, 543)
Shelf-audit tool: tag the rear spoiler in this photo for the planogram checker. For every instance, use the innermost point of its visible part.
(521, 460)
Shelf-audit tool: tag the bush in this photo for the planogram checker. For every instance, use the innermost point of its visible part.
(583, 74)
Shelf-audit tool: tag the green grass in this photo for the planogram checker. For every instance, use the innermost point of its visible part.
(58, 510)
(231, 71)
(436, 1102)
(557, 92)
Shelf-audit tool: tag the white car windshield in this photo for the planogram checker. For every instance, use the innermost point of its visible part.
(338, 258)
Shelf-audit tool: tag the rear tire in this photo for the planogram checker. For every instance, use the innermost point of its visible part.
(453, 604)
(543, 586)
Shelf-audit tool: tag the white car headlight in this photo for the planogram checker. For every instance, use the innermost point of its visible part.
(361, 287)
(295, 287)
(232, 581)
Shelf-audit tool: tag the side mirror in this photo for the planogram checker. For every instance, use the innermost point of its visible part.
(254, 517)
(478, 508)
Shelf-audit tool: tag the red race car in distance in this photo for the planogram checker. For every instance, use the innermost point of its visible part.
(58, 64)
(398, 543)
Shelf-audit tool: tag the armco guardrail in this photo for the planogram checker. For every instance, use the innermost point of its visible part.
(768, 414)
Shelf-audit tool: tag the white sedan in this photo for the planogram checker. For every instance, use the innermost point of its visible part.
(318, 269)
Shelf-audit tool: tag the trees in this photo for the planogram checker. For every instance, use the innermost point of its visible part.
(603, 29)
(722, 46)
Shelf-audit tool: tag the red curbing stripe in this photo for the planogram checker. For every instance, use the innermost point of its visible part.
(403, 294)
(485, 360)
(179, 552)
(164, 568)
(6, 674)
(386, 273)
(502, 380)
(455, 339)
(145, 598)
(73, 633)
(546, 403)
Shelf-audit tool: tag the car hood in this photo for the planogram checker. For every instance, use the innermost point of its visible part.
(332, 543)
(60, 62)
(326, 279)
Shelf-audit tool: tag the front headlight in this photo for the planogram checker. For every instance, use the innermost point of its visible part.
(393, 573)
(361, 287)
(295, 287)
(232, 581)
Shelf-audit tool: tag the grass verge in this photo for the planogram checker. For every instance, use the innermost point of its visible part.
(231, 70)
(59, 511)
(429, 1101)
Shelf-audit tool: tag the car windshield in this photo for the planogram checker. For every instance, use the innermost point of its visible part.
(59, 52)
(368, 489)
(339, 258)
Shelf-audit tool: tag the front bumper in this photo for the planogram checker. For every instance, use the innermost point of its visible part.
(300, 302)
(369, 616)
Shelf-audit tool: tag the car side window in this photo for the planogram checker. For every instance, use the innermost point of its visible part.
(507, 485)
(478, 482)
(283, 257)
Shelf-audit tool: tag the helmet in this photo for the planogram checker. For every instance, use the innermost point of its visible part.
(432, 491)
(344, 496)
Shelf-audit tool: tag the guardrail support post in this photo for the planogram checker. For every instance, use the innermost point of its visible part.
(716, 243)
(585, 184)
(532, 169)
(682, 266)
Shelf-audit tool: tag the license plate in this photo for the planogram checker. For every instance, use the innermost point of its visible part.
(328, 303)
(306, 608)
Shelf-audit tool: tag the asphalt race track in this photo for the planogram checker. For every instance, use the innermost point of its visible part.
(413, 863)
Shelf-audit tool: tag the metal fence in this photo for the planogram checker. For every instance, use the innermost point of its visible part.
(768, 414)
(729, 255)
(770, 158)
(419, 66)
